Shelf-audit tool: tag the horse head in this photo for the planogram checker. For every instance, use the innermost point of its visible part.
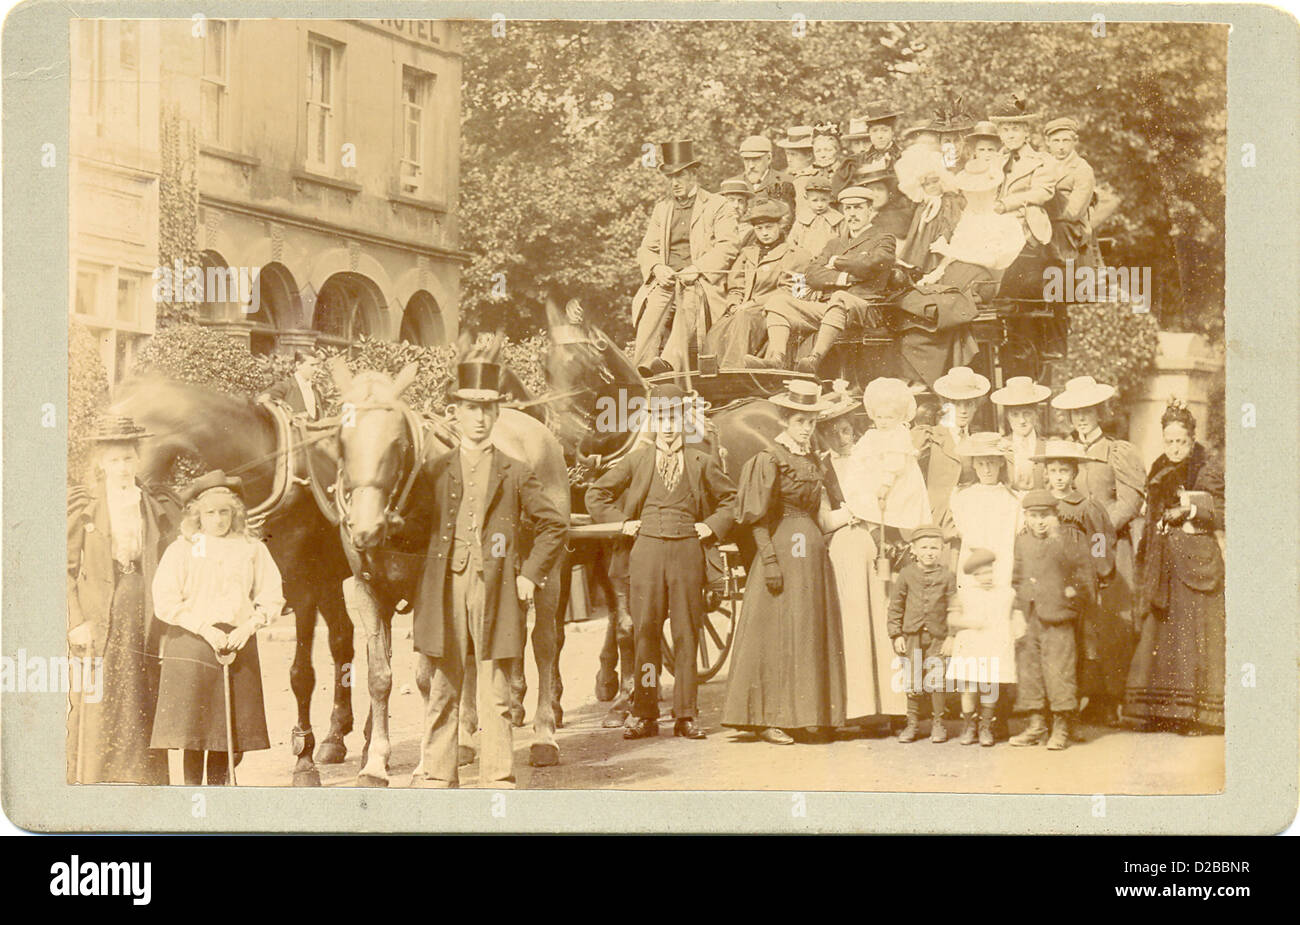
(376, 449)
(592, 382)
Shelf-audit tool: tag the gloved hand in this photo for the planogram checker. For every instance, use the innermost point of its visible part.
(772, 571)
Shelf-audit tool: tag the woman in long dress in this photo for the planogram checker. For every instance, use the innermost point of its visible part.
(1177, 675)
(117, 530)
(216, 587)
(868, 653)
(787, 672)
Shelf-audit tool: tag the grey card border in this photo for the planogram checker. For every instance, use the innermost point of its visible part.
(1260, 793)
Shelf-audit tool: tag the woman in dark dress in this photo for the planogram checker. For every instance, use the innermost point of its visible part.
(117, 530)
(1177, 676)
(787, 672)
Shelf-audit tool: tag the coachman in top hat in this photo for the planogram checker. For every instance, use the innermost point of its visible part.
(471, 605)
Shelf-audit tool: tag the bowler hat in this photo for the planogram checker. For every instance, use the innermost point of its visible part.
(666, 397)
(118, 429)
(1020, 390)
(676, 156)
(978, 559)
(478, 381)
(802, 395)
(1061, 449)
(1015, 108)
(1064, 124)
(1038, 497)
(1083, 392)
(756, 144)
(984, 129)
(217, 478)
(736, 186)
(797, 136)
(766, 210)
(961, 383)
(877, 111)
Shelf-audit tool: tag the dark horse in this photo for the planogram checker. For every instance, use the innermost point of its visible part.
(387, 502)
(241, 437)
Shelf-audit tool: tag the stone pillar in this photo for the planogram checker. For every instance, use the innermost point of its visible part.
(300, 339)
(1185, 365)
(236, 330)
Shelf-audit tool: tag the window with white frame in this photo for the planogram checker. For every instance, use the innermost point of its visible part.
(322, 77)
(417, 91)
(215, 84)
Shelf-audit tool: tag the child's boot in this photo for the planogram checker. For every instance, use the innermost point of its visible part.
(1034, 733)
(1060, 732)
(938, 731)
(912, 731)
(986, 725)
(969, 732)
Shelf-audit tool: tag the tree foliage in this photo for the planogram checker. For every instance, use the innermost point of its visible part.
(555, 194)
(178, 208)
(87, 396)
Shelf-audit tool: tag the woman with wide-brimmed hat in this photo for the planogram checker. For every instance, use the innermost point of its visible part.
(1019, 400)
(1177, 676)
(864, 601)
(787, 671)
(117, 530)
(216, 587)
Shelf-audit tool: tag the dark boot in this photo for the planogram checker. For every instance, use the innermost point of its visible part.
(969, 732)
(826, 337)
(986, 725)
(938, 731)
(1035, 733)
(912, 731)
(1060, 738)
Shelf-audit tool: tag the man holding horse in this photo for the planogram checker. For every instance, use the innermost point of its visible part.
(470, 609)
(689, 246)
(673, 497)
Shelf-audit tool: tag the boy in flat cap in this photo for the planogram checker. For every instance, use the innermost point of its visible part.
(924, 599)
(673, 497)
(768, 263)
(691, 240)
(1072, 196)
(816, 224)
(1052, 574)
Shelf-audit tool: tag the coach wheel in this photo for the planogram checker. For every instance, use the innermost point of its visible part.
(714, 635)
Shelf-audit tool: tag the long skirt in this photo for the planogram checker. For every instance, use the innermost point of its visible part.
(114, 732)
(191, 699)
(788, 667)
(1178, 670)
(868, 652)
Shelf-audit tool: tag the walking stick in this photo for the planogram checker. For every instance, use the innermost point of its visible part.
(224, 659)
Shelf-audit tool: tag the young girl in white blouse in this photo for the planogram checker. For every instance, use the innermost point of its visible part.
(216, 586)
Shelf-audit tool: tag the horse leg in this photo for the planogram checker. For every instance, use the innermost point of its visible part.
(339, 627)
(544, 751)
(364, 610)
(518, 691)
(302, 680)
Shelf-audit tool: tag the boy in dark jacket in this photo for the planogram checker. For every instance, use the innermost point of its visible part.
(1052, 575)
(925, 595)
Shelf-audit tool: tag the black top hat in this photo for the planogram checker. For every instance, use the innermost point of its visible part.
(119, 429)
(676, 156)
(478, 381)
(217, 478)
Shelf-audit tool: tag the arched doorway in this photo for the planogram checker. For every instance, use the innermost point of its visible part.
(220, 290)
(278, 307)
(348, 306)
(422, 322)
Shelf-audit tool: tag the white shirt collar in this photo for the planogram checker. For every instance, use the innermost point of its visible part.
(785, 440)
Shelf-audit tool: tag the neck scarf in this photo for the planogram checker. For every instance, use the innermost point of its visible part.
(668, 458)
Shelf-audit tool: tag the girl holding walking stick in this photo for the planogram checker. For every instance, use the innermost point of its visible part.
(216, 587)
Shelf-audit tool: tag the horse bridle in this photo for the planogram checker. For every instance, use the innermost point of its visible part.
(395, 503)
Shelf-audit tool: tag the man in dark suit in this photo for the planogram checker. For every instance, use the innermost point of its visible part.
(851, 271)
(673, 498)
(299, 391)
(470, 608)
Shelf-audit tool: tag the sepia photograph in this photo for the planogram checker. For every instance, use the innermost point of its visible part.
(647, 405)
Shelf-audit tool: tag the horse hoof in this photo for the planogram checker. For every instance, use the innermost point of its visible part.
(516, 717)
(307, 778)
(544, 756)
(606, 690)
(464, 755)
(371, 780)
(331, 753)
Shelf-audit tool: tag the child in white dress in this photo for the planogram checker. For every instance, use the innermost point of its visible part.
(888, 487)
(984, 651)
